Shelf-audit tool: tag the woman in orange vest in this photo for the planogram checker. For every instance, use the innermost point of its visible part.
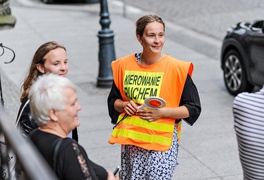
(150, 136)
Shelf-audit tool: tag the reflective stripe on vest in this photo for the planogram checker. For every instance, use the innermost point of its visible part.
(133, 129)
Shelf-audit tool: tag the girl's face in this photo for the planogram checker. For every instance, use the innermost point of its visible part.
(153, 37)
(56, 62)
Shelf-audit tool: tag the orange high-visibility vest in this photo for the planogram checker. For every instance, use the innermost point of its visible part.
(164, 79)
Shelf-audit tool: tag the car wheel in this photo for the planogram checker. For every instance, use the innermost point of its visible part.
(234, 74)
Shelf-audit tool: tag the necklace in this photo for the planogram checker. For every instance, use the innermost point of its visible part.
(141, 59)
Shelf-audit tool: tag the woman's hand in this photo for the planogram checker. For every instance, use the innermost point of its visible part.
(111, 176)
(154, 114)
(131, 108)
(150, 114)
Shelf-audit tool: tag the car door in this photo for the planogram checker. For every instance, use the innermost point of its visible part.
(257, 53)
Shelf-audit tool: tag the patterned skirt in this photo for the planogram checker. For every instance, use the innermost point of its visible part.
(142, 164)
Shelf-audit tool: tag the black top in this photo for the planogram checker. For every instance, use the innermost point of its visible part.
(26, 123)
(72, 160)
(190, 99)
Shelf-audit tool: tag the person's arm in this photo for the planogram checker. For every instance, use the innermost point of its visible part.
(101, 173)
(112, 97)
(191, 100)
(75, 164)
(116, 105)
(25, 121)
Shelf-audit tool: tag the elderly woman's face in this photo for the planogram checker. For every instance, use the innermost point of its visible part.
(68, 117)
(56, 62)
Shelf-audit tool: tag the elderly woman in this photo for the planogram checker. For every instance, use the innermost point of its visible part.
(54, 106)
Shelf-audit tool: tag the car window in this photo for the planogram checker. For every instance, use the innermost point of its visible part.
(257, 26)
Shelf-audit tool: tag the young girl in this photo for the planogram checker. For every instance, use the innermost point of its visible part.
(50, 57)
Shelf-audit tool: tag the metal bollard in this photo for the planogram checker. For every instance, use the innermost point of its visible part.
(124, 9)
(106, 48)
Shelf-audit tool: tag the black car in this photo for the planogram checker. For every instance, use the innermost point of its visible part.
(242, 57)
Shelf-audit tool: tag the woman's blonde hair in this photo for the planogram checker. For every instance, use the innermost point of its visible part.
(144, 20)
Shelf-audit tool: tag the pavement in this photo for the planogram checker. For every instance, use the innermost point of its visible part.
(208, 149)
(207, 17)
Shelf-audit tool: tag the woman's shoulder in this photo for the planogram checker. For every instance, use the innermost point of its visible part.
(123, 62)
(41, 135)
(24, 105)
(68, 140)
(70, 144)
(176, 60)
(125, 58)
(72, 149)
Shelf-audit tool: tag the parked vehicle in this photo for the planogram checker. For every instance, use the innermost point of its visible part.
(242, 57)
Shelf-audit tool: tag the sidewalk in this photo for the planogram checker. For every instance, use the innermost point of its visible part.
(76, 27)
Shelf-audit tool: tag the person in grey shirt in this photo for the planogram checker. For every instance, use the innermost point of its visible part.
(248, 111)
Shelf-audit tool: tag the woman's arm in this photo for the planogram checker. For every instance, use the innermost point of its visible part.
(112, 97)
(75, 164)
(25, 121)
(116, 105)
(191, 100)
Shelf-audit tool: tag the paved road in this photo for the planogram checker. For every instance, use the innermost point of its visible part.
(206, 18)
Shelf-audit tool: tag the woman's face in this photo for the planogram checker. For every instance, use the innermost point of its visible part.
(56, 62)
(68, 117)
(153, 37)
